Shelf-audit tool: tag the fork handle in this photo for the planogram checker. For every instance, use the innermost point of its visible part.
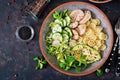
(118, 61)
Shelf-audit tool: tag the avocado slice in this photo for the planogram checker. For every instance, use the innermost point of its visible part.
(92, 54)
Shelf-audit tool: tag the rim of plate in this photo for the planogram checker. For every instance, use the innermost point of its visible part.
(55, 67)
(100, 1)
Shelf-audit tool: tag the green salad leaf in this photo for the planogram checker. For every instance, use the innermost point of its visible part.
(57, 15)
(40, 62)
(67, 64)
(99, 72)
(83, 60)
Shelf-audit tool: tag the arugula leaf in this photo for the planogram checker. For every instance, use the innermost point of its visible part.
(44, 62)
(67, 64)
(48, 38)
(61, 15)
(40, 62)
(60, 57)
(77, 69)
(62, 65)
(67, 68)
(99, 72)
(57, 15)
(83, 61)
(69, 60)
(51, 50)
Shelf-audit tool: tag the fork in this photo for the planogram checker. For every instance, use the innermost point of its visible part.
(110, 60)
(117, 29)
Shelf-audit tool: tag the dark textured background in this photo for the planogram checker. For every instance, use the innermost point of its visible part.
(16, 57)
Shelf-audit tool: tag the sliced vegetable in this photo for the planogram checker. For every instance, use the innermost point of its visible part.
(56, 28)
(68, 20)
(57, 36)
(64, 32)
(56, 43)
(69, 31)
(64, 22)
(93, 56)
(65, 38)
(58, 22)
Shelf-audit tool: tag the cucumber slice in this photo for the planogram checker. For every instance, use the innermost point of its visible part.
(57, 36)
(68, 20)
(64, 32)
(58, 22)
(69, 31)
(64, 23)
(65, 38)
(56, 28)
(56, 43)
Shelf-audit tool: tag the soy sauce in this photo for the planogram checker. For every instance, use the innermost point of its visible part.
(25, 33)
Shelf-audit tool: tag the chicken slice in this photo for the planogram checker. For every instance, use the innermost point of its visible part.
(77, 15)
(74, 25)
(81, 29)
(86, 17)
(75, 34)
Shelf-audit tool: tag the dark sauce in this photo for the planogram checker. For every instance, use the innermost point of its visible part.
(25, 33)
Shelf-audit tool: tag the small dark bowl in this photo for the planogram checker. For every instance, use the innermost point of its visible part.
(31, 33)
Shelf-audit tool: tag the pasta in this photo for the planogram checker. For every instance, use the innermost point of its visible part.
(94, 36)
(103, 47)
(92, 25)
(95, 21)
(91, 43)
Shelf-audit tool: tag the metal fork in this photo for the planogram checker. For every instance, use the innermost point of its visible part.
(117, 29)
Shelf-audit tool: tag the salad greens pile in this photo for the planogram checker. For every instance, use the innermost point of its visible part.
(58, 41)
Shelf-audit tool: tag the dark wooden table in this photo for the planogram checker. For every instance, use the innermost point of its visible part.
(16, 57)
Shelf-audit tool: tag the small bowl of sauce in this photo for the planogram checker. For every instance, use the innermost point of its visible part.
(25, 33)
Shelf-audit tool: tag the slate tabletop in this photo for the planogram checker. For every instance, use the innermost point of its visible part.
(16, 57)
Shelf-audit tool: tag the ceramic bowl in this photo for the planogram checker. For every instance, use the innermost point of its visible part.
(104, 1)
(97, 13)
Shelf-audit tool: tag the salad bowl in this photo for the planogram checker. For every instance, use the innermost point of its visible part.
(97, 13)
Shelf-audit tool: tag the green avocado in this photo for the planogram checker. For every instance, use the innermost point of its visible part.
(92, 55)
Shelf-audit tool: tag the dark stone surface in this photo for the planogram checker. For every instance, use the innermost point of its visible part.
(16, 57)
